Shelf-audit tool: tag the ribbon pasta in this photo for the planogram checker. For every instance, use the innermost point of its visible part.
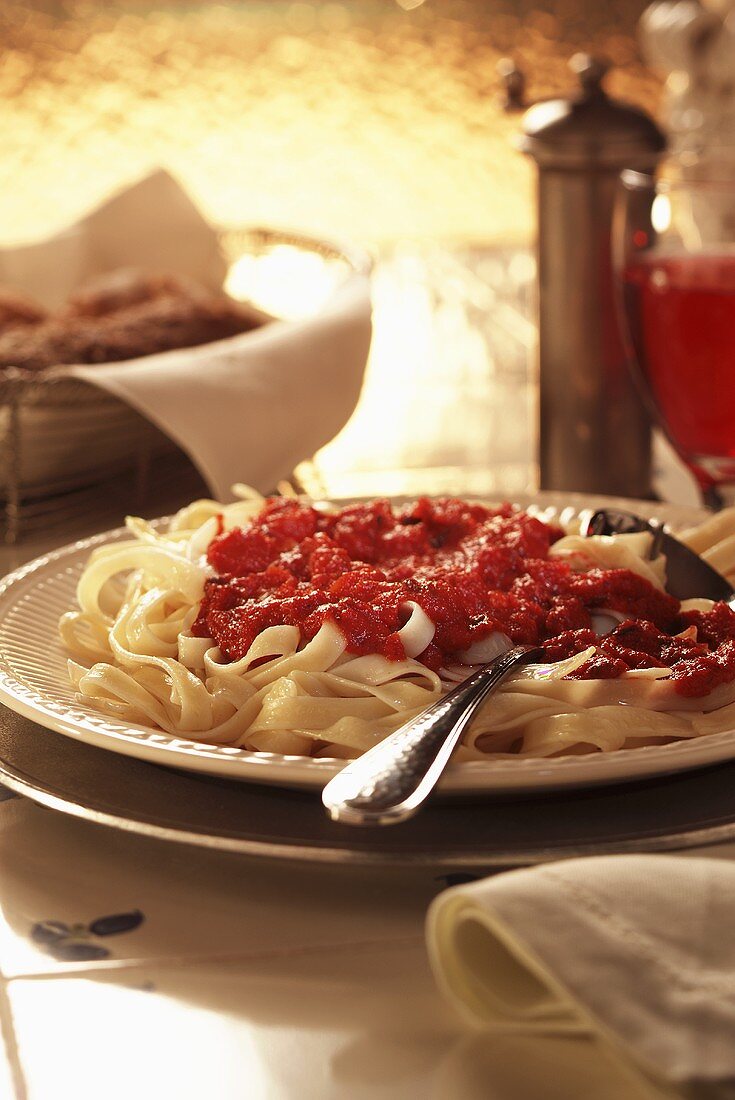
(135, 659)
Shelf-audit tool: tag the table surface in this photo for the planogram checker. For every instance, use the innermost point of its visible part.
(130, 967)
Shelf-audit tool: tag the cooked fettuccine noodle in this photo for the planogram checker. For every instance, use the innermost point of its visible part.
(137, 660)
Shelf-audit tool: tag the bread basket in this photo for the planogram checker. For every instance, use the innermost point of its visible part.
(59, 435)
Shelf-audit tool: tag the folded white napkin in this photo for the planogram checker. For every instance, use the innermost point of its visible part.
(252, 407)
(249, 408)
(150, 224)
(636, 950)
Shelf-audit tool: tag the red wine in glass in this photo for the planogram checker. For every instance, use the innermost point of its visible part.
(679, 306)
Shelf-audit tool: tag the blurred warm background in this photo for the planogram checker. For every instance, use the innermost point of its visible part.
(369, 118)
(379, 121)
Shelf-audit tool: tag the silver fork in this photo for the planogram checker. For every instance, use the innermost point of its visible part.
(389, 782)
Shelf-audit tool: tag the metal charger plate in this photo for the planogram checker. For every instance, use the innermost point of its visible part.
(664, 814)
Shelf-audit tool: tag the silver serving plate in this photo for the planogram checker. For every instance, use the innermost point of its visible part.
(664, 814)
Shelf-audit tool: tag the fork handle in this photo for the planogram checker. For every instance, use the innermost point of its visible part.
(390, 782)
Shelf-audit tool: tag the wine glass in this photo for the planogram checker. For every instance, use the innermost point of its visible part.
(674, 245)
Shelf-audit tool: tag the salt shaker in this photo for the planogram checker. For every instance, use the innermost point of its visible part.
(594, 432)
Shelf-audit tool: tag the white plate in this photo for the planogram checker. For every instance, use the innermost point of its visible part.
(34, 682)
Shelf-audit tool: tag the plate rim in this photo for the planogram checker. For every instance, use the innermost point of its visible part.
(156, 746)
(702, 837)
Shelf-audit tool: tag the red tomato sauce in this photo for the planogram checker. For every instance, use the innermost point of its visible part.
(474, 570)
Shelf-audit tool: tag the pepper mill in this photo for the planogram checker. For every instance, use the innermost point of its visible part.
(594, 431)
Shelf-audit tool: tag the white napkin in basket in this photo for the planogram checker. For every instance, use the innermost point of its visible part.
(252, 407)
(151, 224)
(249, 408)
(639, 950)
